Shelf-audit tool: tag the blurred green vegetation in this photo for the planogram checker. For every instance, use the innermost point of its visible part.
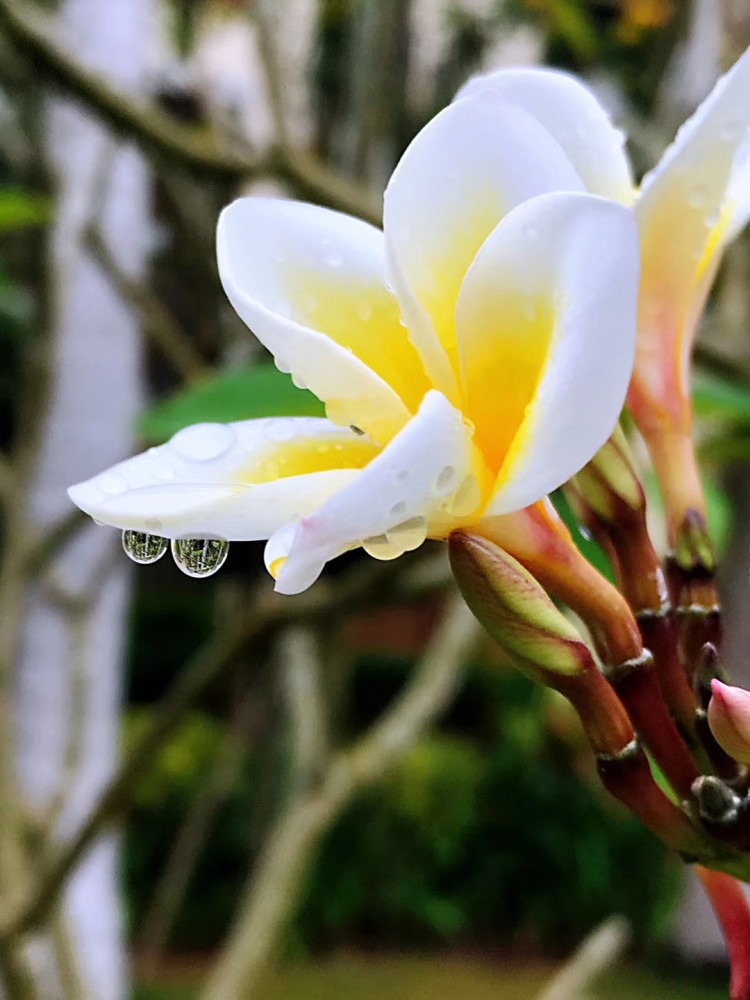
(487, 833)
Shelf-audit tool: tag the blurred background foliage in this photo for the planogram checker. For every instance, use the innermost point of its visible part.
(492, 833)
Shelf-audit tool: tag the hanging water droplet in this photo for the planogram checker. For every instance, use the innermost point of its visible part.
(381, 547)
(408, 535)
(199, 557)
(144, 548)
(203, 442)
(282, 366)
(299, 381)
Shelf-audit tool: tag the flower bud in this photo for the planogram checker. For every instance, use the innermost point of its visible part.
(513, 607)
(729, 719)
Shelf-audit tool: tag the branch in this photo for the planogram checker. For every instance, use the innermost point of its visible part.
(358, 590)
(156, 321)
(282, 868)
(32, 35)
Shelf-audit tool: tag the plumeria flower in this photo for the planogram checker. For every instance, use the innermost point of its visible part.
(471, 357)
(689, 207)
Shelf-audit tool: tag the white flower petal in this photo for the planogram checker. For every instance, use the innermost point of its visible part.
(422, 483)
(310, 283)
(466, 169)
(546, 321)
(238, 481)
(693, 203)
(572, 114)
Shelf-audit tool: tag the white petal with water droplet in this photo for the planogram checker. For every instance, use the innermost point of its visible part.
(572, 114)
(404, 474)
(310, 284)
(463, 172)
(234, 481)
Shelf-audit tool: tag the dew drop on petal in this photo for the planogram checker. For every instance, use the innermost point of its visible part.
(697, 196)
(731, 130)
(446, 482)
(203, 442)
(282, 366)
(398, 509)
(466, 498)
(299, 382)
(143, 548)
(112, 483)
(199, 557)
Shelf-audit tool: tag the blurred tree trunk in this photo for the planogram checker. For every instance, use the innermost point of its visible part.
(69, 669)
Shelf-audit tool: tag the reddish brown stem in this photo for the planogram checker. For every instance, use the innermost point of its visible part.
(635, 682)
(731, 907)
(628, 777)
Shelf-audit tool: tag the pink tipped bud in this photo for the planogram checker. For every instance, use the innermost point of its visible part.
(729, 719)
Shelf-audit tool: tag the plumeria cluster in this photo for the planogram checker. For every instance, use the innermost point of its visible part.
(474, 356)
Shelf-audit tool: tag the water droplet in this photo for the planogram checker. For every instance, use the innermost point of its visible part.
(333, 259)
(381, 547)
(698, 195)
(466, 498)
(199, 557)
(731, 130)
(299, 381)
(279, 429)
(112, 483)
(364, 311)
(447, 481)
(398, 509)
(282, 366)
(144, 548)
(402, 321)
(408, 535)
(203, 442)
(469, 427)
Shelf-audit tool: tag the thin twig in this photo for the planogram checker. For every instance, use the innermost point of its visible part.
(156, 321)
(599, 950)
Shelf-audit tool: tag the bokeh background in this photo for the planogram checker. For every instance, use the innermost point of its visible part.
(199, 788)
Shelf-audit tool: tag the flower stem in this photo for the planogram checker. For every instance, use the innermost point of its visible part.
(732, 910)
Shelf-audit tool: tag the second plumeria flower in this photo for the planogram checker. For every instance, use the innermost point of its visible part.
(688, 209)
(472, 356)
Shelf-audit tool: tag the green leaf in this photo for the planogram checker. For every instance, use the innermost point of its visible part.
(719, 396)
(19, 209)
(260, 391)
